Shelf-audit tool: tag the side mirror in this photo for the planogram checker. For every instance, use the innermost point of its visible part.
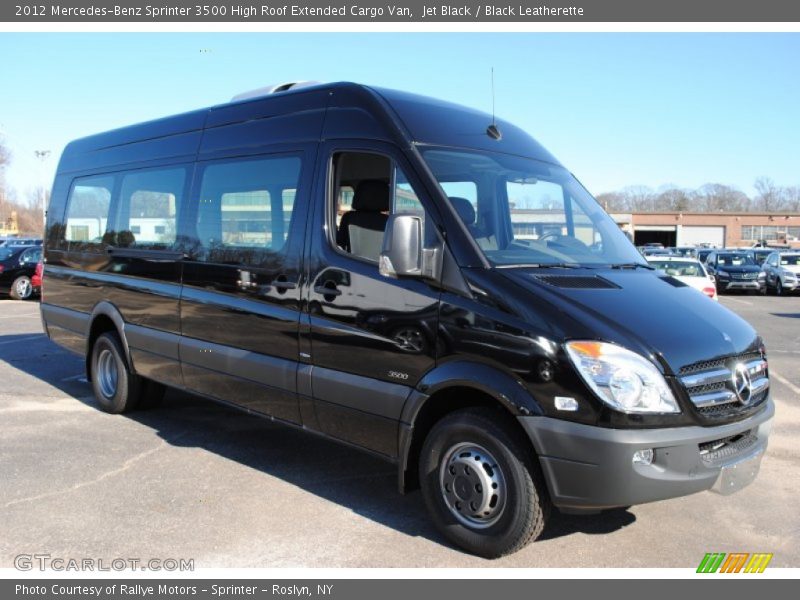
(403, 253)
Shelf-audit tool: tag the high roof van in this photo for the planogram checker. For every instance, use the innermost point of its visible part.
(412, 278)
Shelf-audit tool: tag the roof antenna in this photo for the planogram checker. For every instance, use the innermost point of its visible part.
(492, 131)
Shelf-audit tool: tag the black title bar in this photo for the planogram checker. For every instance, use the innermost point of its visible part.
(401, 11)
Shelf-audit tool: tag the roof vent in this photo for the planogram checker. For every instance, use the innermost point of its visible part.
(272, 89)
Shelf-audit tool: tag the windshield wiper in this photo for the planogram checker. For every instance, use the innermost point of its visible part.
(632, 266)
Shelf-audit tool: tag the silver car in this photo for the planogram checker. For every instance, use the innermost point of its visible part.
(782, 270)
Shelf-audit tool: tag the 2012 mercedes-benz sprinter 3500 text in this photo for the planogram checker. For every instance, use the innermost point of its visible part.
(412, 278)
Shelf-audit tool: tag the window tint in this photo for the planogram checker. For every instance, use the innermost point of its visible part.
(87, 209)
(246, 208)
(148, 208)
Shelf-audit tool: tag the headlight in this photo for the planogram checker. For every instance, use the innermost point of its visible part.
(622, 379)
(722, 274)
(762, 275)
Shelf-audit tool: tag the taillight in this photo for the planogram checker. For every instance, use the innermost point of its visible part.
(710, 291)
(2, 268)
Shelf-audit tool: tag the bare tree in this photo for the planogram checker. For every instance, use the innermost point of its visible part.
(768, 196)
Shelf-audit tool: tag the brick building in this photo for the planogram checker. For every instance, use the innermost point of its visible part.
(719, 229)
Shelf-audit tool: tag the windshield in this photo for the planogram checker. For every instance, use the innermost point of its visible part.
(679, 268)
(526, 212)
(734, 260)
(790, 259)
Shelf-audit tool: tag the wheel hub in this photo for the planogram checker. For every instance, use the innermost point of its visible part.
(107, 373)
(472, 485)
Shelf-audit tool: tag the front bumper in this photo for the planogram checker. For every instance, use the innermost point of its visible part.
(591, 468)
(740, 284)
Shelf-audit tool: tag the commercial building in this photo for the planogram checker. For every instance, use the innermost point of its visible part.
(717, 229)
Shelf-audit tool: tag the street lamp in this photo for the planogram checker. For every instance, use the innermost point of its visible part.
(42, 155)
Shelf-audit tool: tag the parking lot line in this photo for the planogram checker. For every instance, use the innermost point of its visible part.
(739, 301)
(22, 339)
(785, 382)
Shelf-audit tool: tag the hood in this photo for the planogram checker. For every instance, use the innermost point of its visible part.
(646, 312)
(791, 268)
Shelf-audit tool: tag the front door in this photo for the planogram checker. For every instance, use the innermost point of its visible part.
(240, 300)
(372, 337)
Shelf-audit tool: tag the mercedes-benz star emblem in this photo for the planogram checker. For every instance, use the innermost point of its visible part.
(742, 384)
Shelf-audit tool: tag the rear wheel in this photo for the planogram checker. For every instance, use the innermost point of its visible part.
(115, 387)
(21, 289)
(481, 485)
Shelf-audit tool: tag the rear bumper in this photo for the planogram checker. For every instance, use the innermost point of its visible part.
(591, 468)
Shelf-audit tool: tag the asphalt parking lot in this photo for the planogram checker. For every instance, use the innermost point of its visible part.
(197, 480)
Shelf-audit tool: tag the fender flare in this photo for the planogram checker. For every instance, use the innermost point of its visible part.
(509, 391)
(107, 309)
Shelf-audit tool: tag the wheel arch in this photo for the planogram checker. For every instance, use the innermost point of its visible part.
(451, 387)
(105, 317)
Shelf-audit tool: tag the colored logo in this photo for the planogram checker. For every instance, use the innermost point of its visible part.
(735, 562)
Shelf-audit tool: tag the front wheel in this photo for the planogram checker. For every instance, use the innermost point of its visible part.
(778, 288)
(481, 484)
(21, 289)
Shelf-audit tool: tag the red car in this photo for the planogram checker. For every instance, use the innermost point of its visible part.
(36, 279)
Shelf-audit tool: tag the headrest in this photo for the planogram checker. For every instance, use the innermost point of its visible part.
(372, 195)
(464, 209)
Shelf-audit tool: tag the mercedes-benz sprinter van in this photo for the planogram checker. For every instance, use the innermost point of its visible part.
(409, 277)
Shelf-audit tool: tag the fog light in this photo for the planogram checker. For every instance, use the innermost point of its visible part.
(565, 403)
(643, 457)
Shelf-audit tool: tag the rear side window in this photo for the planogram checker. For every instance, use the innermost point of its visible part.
(245, 208)
(87, 210)
(146, 216)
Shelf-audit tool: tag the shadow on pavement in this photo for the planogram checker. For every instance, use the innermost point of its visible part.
(358, 481)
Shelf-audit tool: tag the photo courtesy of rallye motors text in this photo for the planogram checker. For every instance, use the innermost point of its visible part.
(410, 277)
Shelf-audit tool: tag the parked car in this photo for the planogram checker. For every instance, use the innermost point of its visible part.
(506, 347)
(702, 254)
(36, 279)
(8, 242)
(781, 272)
(760, 254)
(688, 270)
(688, 251)
(656, 251)
(17, 266)
(735, 271)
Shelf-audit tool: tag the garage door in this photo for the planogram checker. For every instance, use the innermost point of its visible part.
(693, 235)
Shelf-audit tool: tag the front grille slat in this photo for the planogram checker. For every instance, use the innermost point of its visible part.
(710, 385)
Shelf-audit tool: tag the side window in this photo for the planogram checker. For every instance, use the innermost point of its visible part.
(87, 211)
(31, 256)
(246, 208)
(367, 188)
(146, 214)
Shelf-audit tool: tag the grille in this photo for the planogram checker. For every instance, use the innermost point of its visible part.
(576, 282)
(726, 448)
(706, 365)
(711, 385)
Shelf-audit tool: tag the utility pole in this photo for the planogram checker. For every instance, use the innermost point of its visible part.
(42, 155)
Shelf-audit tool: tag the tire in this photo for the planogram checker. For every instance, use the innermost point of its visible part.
(487, 524)
(116, 388)
(778, 287)
(21, 289)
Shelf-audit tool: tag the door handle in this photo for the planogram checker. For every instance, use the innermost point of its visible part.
(284, 285)
(324, 290)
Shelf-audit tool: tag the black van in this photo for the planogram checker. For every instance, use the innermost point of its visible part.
(409, 277)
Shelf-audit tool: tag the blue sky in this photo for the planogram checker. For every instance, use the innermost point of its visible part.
(617, 109)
